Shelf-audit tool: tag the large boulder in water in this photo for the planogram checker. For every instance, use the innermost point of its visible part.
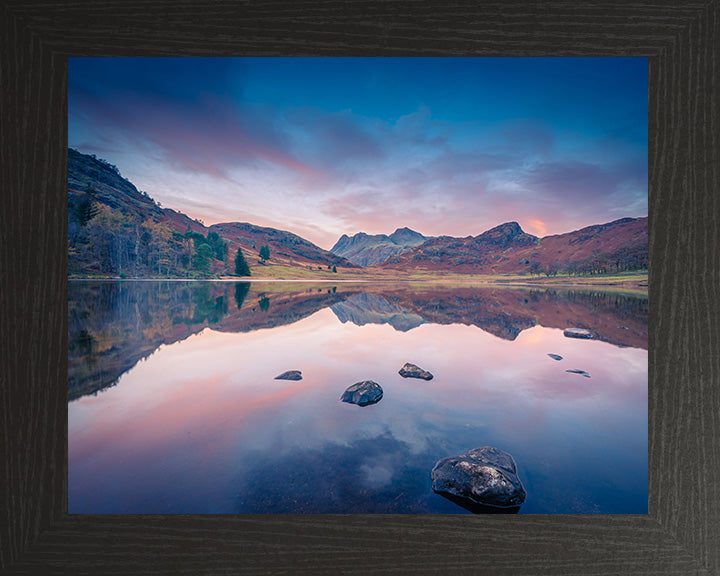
(481, 480)
(412, 371)
(576, 333)
(290, 375)
(363, 393)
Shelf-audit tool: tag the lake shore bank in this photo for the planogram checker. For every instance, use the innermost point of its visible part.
(636, 283)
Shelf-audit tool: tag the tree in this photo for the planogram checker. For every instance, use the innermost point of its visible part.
(203, 257)
(241, 267)
(158, 247)
(334, 269)
(84, 209)
(219, 246)
(264, 253)
(196, 237)
(109, 236)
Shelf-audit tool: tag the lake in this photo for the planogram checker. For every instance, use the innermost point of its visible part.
(173, 405)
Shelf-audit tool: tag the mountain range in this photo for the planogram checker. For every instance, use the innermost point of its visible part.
(115, 229)
(506, 249)
(365, 249)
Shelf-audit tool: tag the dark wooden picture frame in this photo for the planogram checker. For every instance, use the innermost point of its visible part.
(681, 533)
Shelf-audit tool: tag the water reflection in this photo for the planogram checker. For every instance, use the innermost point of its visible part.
(113, 325)
(197, 423)
(476, 508)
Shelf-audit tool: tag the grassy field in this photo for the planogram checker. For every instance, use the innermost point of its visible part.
(635, 282)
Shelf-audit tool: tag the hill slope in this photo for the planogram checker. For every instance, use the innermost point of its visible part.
(285, 247)
(114, 229)
(506, 249)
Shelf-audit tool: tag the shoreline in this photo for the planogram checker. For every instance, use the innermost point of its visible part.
(633, 283)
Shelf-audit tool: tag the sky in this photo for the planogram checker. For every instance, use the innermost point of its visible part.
(328, 146)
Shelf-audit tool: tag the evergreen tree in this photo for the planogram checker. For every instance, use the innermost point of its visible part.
(203, 258)
(218, 245)
(84, 209)
(241, 267)
(264, 253)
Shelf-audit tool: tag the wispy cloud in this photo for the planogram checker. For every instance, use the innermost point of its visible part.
(227, 139)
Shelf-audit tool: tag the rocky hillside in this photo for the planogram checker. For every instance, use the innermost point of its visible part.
(91, 177)
(365, 249)
(613, 247)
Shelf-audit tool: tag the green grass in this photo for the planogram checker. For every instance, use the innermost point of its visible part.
(635, 282)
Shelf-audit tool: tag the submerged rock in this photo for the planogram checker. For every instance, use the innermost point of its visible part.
(363, 393)
(484, 477)
(577, 333)
(555, 356)
(581, 372)
(290, 375)
(412, 371)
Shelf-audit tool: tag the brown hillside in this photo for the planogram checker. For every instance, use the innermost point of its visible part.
(285, 248)
(506, 249)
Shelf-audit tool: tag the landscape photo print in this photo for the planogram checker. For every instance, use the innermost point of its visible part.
(358, 285)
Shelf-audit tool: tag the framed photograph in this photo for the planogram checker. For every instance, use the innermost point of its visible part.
(252, 327)
(421, 292)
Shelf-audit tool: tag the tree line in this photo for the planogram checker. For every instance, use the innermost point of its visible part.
(107, 242)
(623, 260)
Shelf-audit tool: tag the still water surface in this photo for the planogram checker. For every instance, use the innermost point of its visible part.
(173, 406)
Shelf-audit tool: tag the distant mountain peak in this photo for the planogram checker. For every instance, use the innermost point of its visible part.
(367, 249)
(511, 227)
(406, 236)
(506, 233)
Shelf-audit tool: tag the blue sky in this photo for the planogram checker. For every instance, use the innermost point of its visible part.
(327, 146)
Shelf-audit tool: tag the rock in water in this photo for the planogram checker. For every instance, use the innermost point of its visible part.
(290, 375)
(576, 333)
(555, 356)
(485, 476)
(581, 372)
(363, 393)
(412, 371)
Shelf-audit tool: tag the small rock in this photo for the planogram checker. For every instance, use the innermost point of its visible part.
(290, 375)
(555, 356)
(363, 393)
(412, 371)
(581, 372)
(577, 333)
(485, 476)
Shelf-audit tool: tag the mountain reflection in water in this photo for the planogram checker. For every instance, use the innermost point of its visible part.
(112, 325)
(173, 406)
